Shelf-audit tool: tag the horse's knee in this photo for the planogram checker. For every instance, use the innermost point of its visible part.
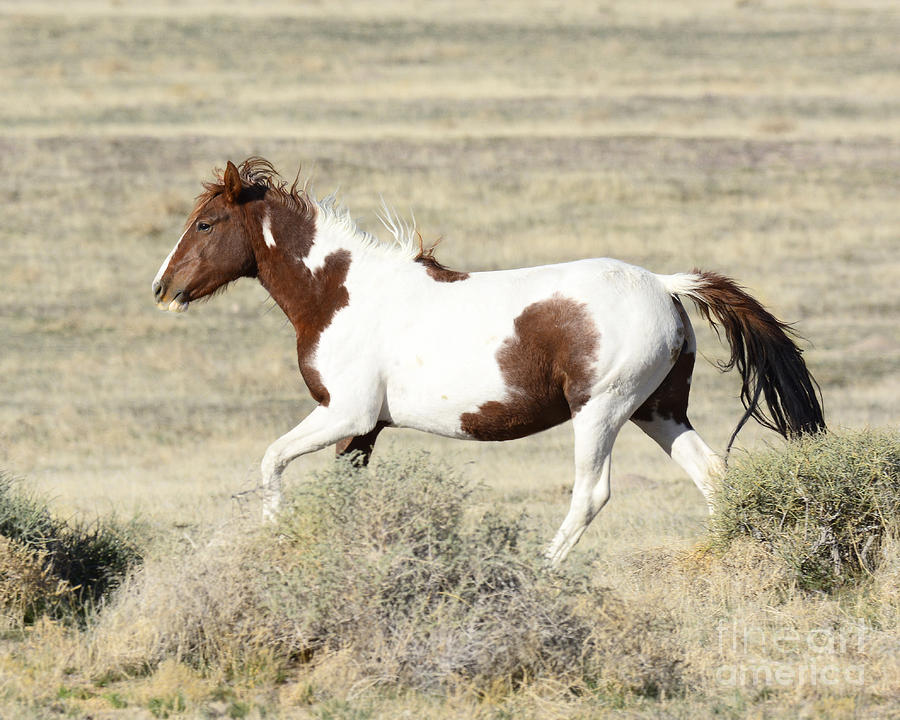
(272, 463)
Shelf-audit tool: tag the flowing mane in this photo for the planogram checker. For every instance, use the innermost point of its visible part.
(259, 177)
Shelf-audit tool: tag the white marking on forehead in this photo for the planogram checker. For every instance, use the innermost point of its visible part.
(267, 231)
(165, 264)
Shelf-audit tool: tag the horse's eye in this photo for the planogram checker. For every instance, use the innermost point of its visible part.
(203, 226)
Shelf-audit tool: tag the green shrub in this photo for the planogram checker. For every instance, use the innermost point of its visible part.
(823, 505)
(70, 567)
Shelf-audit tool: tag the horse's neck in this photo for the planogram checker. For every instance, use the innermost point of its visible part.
(304, 268)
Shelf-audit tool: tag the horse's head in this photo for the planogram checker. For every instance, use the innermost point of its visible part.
(214, 250)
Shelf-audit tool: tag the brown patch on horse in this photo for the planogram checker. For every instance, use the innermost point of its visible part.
(670, 400)
(435, 270)
(311, 313)
(548, 369)
(362, 445)
(439, 272)
(309, 299)
(296, 234)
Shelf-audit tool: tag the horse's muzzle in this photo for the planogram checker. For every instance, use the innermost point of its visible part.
(176, 304)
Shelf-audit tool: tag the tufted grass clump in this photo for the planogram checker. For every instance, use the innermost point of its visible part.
(52, 567)
(822, 505)
(383, 575)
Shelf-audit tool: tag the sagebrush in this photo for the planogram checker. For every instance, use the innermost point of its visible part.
(384, 568)
(823, 504)
(50, 566)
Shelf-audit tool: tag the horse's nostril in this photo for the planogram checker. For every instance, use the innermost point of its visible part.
(157, 289)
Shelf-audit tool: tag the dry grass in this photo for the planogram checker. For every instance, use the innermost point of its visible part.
(754, 138)
(377, 591)
(53, 568)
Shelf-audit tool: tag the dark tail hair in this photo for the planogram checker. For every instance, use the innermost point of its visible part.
(766, 356)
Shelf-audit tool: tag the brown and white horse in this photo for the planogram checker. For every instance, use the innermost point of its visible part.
(388, 337)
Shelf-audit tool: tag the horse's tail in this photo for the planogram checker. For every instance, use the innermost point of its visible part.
(768, 359)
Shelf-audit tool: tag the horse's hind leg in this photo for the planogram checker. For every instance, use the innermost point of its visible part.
(663, 416)
(596, 426)
(359, 447)
(685, 446)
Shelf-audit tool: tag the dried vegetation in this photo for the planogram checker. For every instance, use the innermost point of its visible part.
(382, 569)
(385, 587)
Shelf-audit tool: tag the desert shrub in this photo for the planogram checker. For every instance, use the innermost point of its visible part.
(383, 563)
(823, 504)
(193, 604)
(49, 566)
(26, 584)
(384, 568)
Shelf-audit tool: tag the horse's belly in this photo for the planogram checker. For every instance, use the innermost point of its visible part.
(515, 417)
(479, 404)
(433, 410)
(508, 419)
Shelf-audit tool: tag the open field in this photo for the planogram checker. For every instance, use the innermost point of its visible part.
(759, 139)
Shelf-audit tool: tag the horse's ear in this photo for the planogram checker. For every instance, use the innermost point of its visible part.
(232, 182)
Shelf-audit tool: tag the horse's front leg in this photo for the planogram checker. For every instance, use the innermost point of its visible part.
(324, 426)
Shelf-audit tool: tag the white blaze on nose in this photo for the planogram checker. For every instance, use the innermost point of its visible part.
(165, 265)
(267, 231)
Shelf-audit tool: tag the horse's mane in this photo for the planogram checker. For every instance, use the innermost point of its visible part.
(259, 174)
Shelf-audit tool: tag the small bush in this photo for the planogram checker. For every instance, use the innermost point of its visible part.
(823, 505)
(381, 563)
(48, 566)
(380, 569)
(26, 584)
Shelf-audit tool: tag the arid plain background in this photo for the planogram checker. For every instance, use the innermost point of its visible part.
(758, 139)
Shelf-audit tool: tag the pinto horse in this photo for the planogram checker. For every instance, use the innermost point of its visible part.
(389, 337)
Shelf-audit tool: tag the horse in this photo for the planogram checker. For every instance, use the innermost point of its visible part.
(387, 336)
